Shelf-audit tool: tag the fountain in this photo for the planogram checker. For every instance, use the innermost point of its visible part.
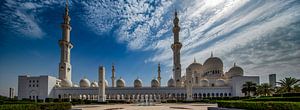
(148, 101)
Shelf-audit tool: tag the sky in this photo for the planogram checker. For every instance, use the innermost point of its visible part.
(261, 36)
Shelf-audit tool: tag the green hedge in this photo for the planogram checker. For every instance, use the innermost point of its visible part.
(54, 106)
(37, 106)
(297, 94)
(290, 99)
(19, 107)
(251, 105)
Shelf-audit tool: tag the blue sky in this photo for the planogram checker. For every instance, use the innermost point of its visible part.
(260, 36)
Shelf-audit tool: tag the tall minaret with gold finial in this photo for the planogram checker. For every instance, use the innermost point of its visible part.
(176, 46)
(158, 74)
(65, 46)
(113, 75)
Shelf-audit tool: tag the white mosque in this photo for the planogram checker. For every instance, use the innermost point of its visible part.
(207, 80)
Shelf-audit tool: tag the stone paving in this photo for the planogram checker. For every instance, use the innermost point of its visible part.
(175, 106)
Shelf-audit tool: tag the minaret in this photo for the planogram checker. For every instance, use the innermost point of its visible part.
(113, 75)
(65, 46)
(176, 46)
(158, 74)
(101, 83)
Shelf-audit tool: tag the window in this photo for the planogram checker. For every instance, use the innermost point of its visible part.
(29, 85)
(29, 97)
(33, 85)
(37, 85)
(37, 81)
(29, 81)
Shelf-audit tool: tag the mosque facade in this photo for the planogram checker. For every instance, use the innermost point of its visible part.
(200, 80)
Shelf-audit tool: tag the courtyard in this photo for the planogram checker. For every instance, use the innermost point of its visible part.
(173, 106)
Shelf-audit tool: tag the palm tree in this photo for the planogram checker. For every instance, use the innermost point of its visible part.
(264, 89)
(248, 87)
(297, 88)
(288, 84)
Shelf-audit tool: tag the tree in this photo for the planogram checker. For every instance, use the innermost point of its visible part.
(288, 84)
(248, 87)
(264, 89)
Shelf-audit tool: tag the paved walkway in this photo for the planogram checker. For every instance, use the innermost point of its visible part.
(175, 106)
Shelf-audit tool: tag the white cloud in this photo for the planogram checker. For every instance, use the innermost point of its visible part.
(227, 27)
(237, 24)
(21, 18)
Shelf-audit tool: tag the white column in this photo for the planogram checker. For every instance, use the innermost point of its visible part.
(189, 86)
(101, 83)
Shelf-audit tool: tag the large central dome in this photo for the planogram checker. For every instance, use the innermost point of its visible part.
(213, 67)
(213, 63)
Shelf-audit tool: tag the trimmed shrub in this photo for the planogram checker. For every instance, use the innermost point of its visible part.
(57, 100)
(54, 106)
(19, 107)
(37, 106)
(49, 100)
(250, 105)
(171, 101)
(66, 100)
(287, 95)
(290, 99)
(291, 94)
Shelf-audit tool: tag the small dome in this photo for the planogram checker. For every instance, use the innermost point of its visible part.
(220, 82)
(195, 66)
(84, 83)
(204, 83)
(94, 84)
(154, 83)
(120, 83)
(66, 83)
(137, 83)
(106, 84)
(75, 85)
(171, 83)
(235, 71)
